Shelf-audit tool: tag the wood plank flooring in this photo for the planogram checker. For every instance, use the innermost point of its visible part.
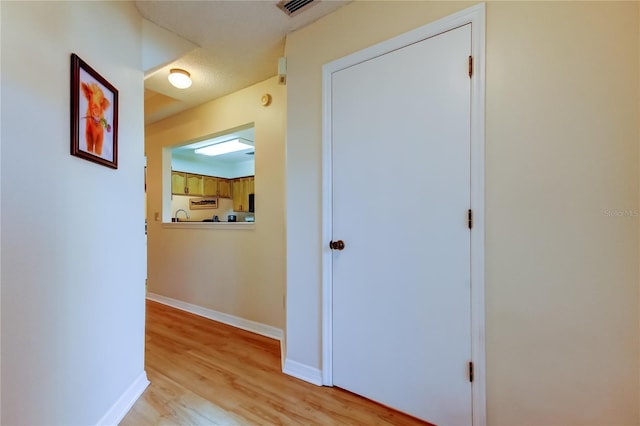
(206, 373)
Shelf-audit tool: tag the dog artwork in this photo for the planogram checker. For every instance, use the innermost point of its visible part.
(96, 123)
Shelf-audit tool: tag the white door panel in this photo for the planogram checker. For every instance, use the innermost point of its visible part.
(401, 190)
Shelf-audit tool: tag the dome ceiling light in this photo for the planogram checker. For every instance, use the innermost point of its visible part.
(179, 78)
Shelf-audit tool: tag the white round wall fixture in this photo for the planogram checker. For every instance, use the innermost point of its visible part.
(265, 100)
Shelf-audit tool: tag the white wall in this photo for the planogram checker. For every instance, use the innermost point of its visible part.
(72, 243)
(562, 332)
(239, 272)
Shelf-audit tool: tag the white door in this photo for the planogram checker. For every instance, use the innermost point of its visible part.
(401, 194)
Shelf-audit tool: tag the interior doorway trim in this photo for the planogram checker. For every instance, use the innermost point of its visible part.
(475, 16)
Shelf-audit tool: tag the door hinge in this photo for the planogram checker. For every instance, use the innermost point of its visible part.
(470, 218)
(470, 66)
(471, 371)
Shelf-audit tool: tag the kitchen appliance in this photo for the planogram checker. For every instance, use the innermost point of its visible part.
(231, 218)
(252, 203)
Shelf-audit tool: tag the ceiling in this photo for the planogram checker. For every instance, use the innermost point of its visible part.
(226, 45)
(187, 152)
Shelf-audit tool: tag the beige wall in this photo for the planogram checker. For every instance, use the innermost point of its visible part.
(236, 272)
(73, 249)
(562, 187)
(562, 280)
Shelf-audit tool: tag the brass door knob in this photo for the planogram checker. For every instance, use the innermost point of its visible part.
(337, 245)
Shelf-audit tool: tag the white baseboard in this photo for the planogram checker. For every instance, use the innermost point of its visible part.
(303, 372)
(252, 326)
(122, 406)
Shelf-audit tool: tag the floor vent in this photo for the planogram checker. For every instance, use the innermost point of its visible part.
(293, 7)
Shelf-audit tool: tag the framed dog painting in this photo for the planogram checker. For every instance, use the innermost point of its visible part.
(94, 115)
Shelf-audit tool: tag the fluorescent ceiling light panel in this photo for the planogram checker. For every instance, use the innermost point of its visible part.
(223, 148)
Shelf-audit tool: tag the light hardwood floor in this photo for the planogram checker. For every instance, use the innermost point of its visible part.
(206, 373)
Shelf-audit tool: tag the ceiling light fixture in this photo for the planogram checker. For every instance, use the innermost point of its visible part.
(223, 148)
(179, 78)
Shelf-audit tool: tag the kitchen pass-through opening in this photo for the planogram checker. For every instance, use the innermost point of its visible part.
(212, 178)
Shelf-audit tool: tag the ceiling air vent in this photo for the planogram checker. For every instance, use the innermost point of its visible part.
(293, 7)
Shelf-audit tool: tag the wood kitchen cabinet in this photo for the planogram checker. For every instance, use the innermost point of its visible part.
(183, 183)
(186, 183)
(242, 187)
(224, 188)
(238, 194)
(194, 184)
(178, 183)
(210, 186)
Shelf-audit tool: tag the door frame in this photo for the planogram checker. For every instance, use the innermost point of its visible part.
(475, 16)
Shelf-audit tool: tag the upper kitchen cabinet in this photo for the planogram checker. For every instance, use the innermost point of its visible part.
(183, 183)
(178, 183)
(186, 183)
(224, 188)
(210, 186)
(194, 184)
(242, 187)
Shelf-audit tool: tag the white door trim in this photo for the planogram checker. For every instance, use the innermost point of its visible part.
(474, 15)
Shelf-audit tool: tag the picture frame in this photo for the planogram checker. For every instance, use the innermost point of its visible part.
(94, 115)
(203, 203)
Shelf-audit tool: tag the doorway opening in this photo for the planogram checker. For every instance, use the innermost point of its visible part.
(212, 178)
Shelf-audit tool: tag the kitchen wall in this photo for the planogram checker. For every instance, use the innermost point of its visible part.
(72, 243)
(225, 208)
(239, 272)
(561, 268)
